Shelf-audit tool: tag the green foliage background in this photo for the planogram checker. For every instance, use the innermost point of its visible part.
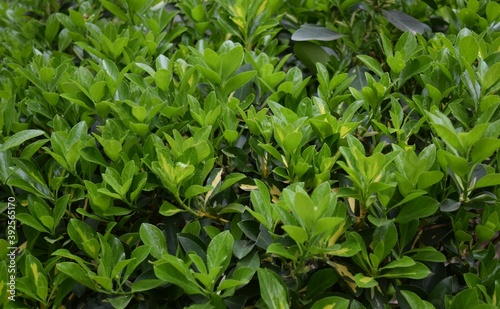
(251, 154)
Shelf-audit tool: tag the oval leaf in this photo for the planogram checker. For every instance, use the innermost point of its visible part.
(405, 22)
(311, 32)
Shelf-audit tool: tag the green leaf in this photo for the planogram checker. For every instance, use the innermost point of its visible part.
(320, 281)
(195, 190)
(465, 299)
(483, 149)
(75, 272)
(120, 302)
(32, 222)
(332, 302)
(427, 179)
(97, 91)
(404, 261)
(326, 225)
(422, 206)
(372, 64)
(140, 113)
(137, 257)
(167, 209)
(212, 59)
(278, 249)
(385, 238)
(484, 233)
(310, 54)
(153, 237)
(230, 180)
(396, 64)
(230, 283)
(213, 77)
(146, 285)
(297, 233)
(417, 271)
(92, 154)
(292, 141)
(491, 76)
(272, 289)
(114, 9)
(84, 237)
(457, 164)
(238, 81)
(468, 48)
(232, 61)
(303, 207)
(405, 22)
(428, 254)
(162, 79)
(488, 181)
(414, 301)
(365, 282)
(219, 251)
(20, 137)
(315, 33)
(174, 270)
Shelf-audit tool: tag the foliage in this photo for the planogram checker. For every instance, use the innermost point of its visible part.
(238, 153)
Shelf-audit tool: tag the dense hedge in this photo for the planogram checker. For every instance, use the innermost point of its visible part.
(249, 153)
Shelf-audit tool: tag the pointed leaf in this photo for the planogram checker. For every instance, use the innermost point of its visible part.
(19, 138)
(312, 32)
(405, 22)
(272, 289)
(153, 237)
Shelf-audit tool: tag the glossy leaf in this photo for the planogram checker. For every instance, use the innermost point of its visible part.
(153, 237)
(272, 289)
(405, 22)
(418, 208)
(311, 33)
(19, 138)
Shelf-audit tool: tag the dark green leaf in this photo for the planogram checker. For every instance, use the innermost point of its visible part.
(153, 237)
(272, 289)
(320, 281)
(405, 22)
(417, 271)
(310, 54)
(312, 32)
(219, 251)
(420, 207)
